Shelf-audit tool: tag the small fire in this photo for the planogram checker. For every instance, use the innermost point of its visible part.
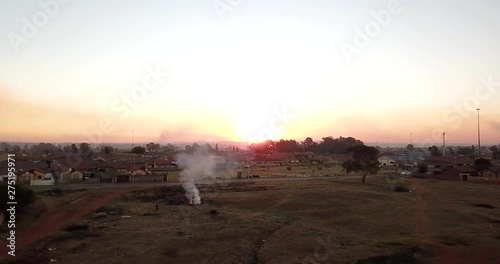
(190, 202)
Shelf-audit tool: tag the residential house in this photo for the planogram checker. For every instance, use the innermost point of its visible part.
(161, 163)
(142, 171)
(491, 172)
(30, 175)
(71, 175)
(456, 173)
(48, 179)
(439, 164)
(264, 161)
(4, 173)
(387, 161)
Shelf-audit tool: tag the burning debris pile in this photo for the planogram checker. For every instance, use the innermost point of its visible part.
(194, 168)
(171, 195)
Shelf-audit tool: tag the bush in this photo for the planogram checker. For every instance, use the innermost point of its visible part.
(76, 227)
(401, 188)
(23, 196)
(422, 168)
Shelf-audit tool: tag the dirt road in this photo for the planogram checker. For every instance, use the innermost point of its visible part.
(58, 218)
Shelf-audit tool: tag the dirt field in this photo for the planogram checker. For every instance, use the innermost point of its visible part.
(307, 221)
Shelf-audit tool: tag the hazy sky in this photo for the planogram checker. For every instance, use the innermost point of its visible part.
(68, 68)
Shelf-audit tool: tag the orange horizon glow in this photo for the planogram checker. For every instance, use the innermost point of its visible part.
(267, 72)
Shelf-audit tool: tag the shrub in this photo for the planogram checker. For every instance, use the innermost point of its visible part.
(401, 188)
(422, 168)
(23, 196)
(76, 227)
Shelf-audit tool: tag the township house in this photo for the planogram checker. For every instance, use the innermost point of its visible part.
(440, 164)
(71, 175)
(264, 161)
(492, 173)
(387, 161)
(406, 161)
(126, 169)
(27, 171)
(31, 175)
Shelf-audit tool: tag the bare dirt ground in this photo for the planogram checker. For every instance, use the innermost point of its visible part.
(316, 221)
(58, 217)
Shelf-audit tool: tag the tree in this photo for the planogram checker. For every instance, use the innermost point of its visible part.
(339, 145)
(67, 149)
(423, 168)
(465, 151)
(289, 146)
(309, 145)
(451, 151)
(84, 148)
(435, 151)
(45, 148)
(108, 150)
(347, 166)
(265, 147)
(74, 148)
(138, 150)
(409, 147)
(495, 152)
(364, 160)
(152, 147)
(4, 147)
(16, 149)
(169, 148)
(482, 163)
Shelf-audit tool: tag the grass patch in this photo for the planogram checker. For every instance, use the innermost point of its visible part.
(407, 257)
(76, 227)
(283, 219)
(482, 205)
(451, 240)
(63, 237)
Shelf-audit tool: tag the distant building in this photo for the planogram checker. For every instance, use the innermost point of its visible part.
(492, 172)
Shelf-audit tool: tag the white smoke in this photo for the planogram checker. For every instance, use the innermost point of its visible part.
(195, 167)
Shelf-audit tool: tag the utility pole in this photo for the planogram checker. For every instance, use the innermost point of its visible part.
(478, 136)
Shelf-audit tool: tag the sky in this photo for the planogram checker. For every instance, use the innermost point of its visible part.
(249, 70)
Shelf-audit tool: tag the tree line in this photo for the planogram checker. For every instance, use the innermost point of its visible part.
(327, 145)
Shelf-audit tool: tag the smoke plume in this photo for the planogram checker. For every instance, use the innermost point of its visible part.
(195, 167)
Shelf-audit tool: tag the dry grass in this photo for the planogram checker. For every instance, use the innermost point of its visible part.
(287, 221)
